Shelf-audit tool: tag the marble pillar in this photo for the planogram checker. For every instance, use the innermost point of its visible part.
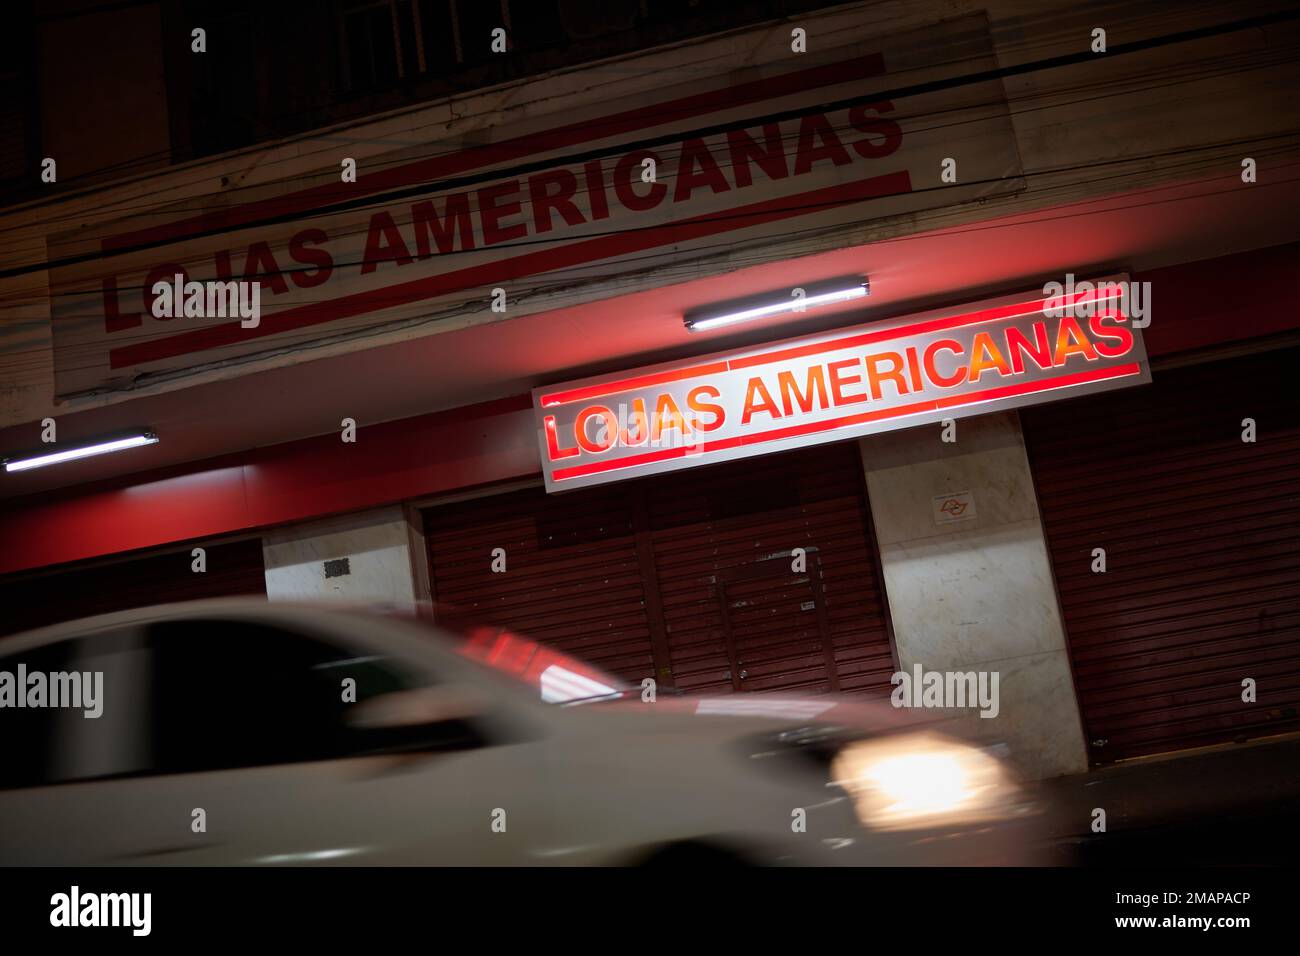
(969, 581)
(368, 557)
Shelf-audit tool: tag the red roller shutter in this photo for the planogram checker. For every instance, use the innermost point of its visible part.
(732, 603)
(686, 575)
(38, 599)
(572, 576)
(1201, 533)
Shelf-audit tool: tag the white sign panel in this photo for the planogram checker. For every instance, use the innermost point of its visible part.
(1000, 353)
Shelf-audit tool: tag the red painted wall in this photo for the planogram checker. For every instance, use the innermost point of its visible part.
(1195, 305)
(274, 485)
(1223, 300)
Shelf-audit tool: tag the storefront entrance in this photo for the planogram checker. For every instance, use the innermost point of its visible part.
(691, 577)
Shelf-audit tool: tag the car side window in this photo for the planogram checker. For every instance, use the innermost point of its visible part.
(36, 738)
(234, 693)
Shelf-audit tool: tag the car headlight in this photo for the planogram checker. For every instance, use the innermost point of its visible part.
(923, 780)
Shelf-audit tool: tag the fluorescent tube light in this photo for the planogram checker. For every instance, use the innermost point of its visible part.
(82, 451)
(821, 293)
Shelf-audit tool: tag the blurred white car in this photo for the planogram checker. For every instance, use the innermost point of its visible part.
(246, 733)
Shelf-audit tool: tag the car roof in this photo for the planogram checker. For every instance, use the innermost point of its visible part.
(251, 607)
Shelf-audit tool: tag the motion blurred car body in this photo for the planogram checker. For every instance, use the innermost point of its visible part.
(237, 732)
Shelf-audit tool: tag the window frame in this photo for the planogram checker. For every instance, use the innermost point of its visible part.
(412, 674)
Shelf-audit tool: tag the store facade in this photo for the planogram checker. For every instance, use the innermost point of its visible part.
(919, 477)
(824, 568)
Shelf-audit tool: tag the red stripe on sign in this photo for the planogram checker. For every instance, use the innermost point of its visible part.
(529, 264)
(797, 351)
(811, 428)
(919, 328)
(509, 150)
(627, 384)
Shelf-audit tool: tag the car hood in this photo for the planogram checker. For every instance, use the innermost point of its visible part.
(742, 712)
(709, 720)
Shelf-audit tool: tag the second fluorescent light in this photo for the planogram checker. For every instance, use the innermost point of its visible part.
(28, 462)
(774, 303)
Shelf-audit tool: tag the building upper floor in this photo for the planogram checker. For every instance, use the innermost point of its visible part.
(434, 222)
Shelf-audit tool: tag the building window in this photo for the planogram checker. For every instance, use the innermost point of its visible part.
(19, 130)
(223, 102)
(277, 70)
(383, 43)
(377, 43)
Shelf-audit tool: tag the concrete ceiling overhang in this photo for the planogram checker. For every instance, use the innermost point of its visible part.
(1135, 231)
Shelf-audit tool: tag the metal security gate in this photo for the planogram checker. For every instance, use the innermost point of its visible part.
(565, 570)
(49, 597)
(772, 638)
(723, 542)
(692, 577)
(1201, 539)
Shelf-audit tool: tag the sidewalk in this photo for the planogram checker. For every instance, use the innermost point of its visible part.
(1233, 805)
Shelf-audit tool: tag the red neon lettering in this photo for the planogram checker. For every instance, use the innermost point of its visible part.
(553, 448)
(838, 381)
(1071, 340)
(754, 390)
(667, 415)
(894, 374)
(984, 356)
(815, 384)
(607, 434)
(710, 408)
(1019, 346)
(1117, 332)
(946, 345)
(642, 425)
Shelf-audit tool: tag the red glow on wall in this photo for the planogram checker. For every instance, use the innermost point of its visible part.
(496, 441)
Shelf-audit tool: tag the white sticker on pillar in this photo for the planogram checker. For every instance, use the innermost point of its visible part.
(958, 506)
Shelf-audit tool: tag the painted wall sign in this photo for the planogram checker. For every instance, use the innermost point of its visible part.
(996, 354)
(517, 206)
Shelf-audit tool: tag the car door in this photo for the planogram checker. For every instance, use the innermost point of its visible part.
(51, 754)
(248, 757)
